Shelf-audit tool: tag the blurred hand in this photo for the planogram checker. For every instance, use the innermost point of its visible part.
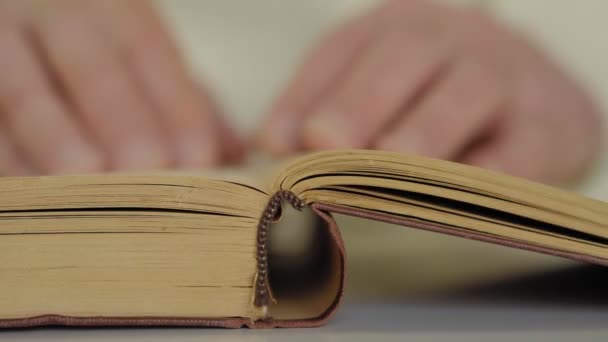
(447, 83)
(89, 85)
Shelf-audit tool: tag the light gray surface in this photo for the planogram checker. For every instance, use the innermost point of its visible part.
(563, 305)
(383, 322)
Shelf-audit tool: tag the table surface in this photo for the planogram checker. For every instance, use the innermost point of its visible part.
(422, 322)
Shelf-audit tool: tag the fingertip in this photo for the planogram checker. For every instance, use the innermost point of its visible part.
(231, 146)
(266, 142)
(234, 152)
(272, 143)
(227, 147)
(278, 135)
(389, 144)
(494, 161)
(487, 162)
(410, 143)
(326, 131)
(76, 158)
(141, 155)
(196, 152)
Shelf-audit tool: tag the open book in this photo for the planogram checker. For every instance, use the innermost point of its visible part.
(188, 250)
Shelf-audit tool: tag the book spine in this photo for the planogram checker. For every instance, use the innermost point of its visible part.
(262, 288)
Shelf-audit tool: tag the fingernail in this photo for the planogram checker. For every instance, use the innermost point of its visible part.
(327, 131)
(196, 153)
(141, 155)
(77, 158)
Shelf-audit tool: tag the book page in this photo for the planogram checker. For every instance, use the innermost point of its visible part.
(462, 199)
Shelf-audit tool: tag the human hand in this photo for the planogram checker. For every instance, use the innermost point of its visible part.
(419, 77)
(92, 85)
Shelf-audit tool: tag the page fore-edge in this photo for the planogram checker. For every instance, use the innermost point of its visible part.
(272, 207)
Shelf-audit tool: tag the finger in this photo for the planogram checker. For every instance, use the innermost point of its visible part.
(319, 72)
(521, 152)
(546, 149)
(454, 112)
(233, 149)
(161, 72)
(101, 89)
(387, 78)
(11, 163)
(35, 117)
